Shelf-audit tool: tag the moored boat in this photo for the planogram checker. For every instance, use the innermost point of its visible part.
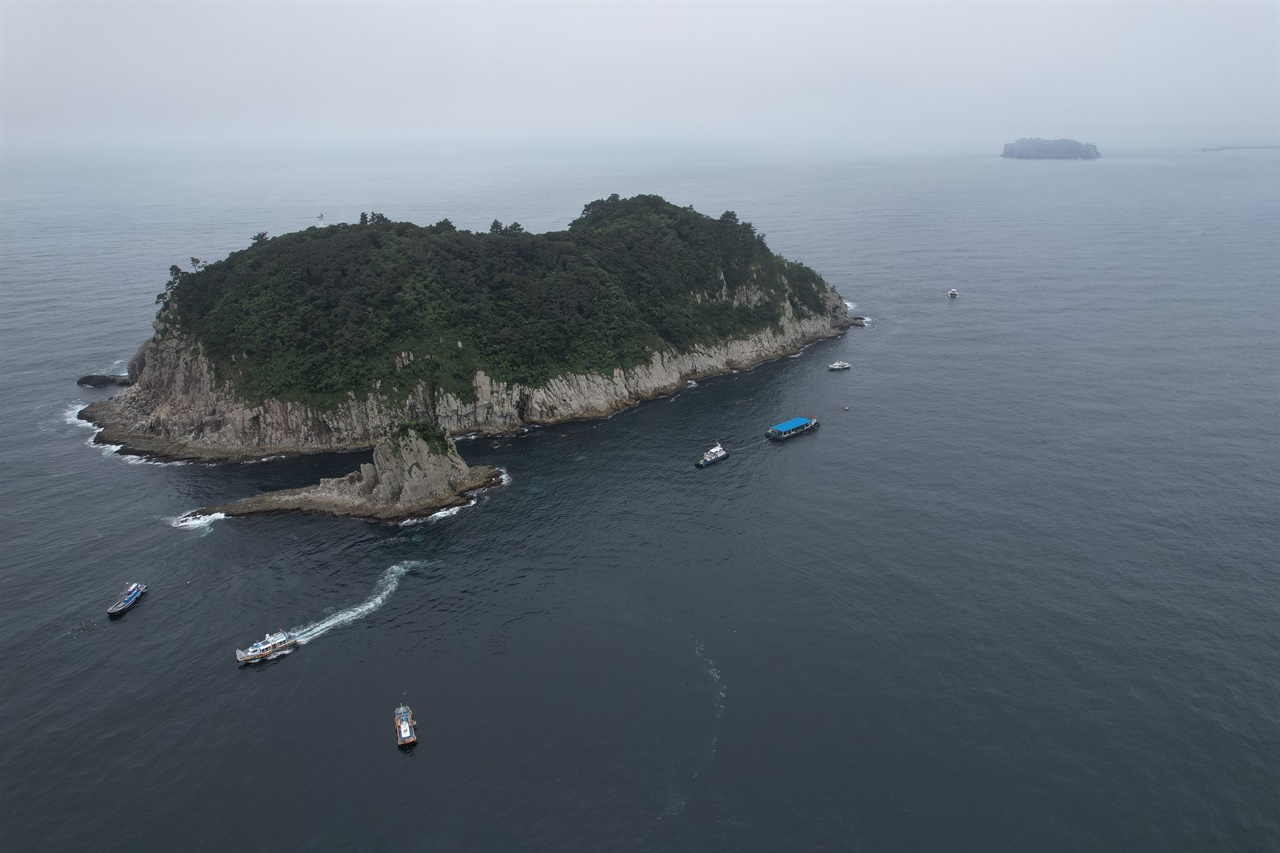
(712, 456)
(839, 365)
(406, 727)
(128, 598)
(791, 428)
(269, 645)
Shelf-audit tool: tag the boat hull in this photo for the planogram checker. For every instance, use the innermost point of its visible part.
(406, 727)
(784, 435)
(128, 600)
(278, 644)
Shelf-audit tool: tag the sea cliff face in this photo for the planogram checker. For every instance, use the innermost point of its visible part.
(177, 408)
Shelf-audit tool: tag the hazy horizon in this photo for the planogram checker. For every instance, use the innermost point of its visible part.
(866, 76)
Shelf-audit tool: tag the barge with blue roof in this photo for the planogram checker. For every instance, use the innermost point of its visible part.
(791, 428)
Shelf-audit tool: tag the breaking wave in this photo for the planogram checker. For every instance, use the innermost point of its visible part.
(194, 520)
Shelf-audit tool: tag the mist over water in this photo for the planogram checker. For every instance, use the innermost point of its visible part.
(1019, 595)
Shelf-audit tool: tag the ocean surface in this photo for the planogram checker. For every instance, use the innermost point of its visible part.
(1018, 593)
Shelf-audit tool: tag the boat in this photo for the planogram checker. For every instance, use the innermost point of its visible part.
(128, 598)
(712, 456)
(839, 365)
(271, 644)
(406, 727)
(952, 293)
(791, 428)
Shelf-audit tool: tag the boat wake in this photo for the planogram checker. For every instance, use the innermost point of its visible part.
(386, 585)
(718, 687)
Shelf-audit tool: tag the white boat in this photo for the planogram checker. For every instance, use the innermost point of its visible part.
(269, 645)
(952, 293)
(713, 455)
(839, 365)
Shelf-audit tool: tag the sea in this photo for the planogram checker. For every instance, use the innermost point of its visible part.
(1019, 592)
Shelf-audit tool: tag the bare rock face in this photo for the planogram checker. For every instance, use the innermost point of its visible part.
(408, 478)
(177, 408)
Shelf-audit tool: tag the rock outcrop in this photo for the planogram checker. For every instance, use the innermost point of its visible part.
(102, 380)
(408, 478)
(178, 409)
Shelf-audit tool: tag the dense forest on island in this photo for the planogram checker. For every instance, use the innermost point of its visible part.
(315, 315)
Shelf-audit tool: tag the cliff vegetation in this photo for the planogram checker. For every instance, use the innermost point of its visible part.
(385, 307)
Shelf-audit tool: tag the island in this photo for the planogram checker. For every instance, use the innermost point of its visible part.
(398, 337)
(1050, 149)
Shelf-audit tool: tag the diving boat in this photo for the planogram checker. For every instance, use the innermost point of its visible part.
(791, 428)
(838, 365)
(952, 293)
(269, 645)
(712, 456)
(406, 727)
(129, 598)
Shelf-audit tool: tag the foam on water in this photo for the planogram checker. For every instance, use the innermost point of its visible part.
(386, 585)
(71, 417)
(436, 516)
(194, 520)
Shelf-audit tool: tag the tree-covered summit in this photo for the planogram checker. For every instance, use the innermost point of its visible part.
(384, 305)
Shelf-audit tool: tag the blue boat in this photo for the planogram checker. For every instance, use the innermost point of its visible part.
(130, 597)
(791, 428)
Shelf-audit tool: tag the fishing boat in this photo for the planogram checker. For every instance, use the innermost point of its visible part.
(838, 365)
(271, 644)
(129, 598)
(791, 428)
(712, 456)
(406, 727)
(952, 293)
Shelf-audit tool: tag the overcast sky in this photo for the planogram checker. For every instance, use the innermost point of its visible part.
(1116, 74)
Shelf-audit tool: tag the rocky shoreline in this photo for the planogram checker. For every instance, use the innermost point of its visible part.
(407, 479)
(177, 410)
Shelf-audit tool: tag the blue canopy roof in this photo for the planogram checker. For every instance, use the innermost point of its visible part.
(790, 425)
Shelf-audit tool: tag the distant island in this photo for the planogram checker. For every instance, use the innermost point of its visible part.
(1050, 149)
(1243, 148)
(395, 336)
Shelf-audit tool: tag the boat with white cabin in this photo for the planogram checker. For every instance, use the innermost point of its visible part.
(712, 456)
(952, 293)
(839, 365)
(270, 645)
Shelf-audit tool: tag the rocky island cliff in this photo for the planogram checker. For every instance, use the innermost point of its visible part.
(395, 336)
(332, 338)
(1050, 149)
